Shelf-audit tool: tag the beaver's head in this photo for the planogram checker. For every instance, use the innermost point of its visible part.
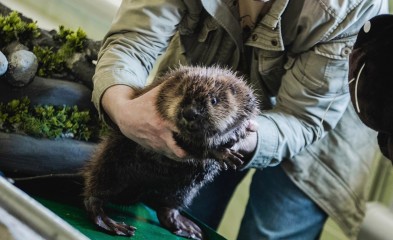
(206, 101)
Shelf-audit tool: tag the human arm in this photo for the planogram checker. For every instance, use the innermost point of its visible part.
(146, 127)
(139, 34)
(311, 91)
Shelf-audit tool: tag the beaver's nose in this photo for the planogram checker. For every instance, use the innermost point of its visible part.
(191, 113)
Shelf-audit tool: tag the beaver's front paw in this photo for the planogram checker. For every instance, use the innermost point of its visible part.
(228, 157)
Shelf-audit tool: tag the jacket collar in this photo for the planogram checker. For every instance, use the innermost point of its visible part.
(273, 16)
(267, 33)
(227, 14)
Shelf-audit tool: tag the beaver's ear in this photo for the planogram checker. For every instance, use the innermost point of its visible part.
(371, 68)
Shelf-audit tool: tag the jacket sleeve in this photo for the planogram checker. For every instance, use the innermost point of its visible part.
(312, 98)
(140, 32)
(313, 94)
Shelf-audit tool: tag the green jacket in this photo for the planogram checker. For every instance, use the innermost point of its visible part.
(296, 58)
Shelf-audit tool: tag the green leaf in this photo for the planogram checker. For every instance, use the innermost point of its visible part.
(48, 121)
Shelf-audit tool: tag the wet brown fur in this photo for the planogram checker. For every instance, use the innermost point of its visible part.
(210, 107)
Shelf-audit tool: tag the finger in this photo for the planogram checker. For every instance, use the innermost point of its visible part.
(176, 150)
(223, 165)
(171, 149)
(172, 127)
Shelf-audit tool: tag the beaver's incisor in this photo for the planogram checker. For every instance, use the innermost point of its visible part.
(211, 108)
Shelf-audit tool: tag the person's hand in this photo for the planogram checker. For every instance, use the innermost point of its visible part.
(138, 119)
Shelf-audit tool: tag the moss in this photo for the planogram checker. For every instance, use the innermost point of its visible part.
(13, 28)
(46, 121)
(49, 61)
(71, 41)
(52, 60)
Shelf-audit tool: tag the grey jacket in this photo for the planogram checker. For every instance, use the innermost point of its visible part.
(296, 58)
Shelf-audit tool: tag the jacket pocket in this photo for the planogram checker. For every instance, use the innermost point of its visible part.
(334, 50)
(271, 68)
(325, 68)
(209, 44)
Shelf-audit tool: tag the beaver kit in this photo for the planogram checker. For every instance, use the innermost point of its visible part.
(210, 106)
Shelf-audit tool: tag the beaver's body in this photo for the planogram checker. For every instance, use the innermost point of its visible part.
(211, 108)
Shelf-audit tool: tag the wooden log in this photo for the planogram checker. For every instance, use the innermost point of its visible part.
(28, 156)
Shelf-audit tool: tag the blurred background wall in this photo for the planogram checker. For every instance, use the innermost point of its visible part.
(93, 16)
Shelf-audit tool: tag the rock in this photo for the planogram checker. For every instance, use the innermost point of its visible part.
(4, 10)
(31, 156)
(3, 63)
(22, 68)
(13, 47)
(92, 49)
(82, 69)
(50, 91)
(76, 57)
(45, 39)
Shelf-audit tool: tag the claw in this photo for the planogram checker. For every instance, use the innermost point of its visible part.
(228, 157)
(179, 224)
(237, 154)
(94, 208)
(182, 233)
(223, 165)
(230, 163)
(233, 159)
(114, 227)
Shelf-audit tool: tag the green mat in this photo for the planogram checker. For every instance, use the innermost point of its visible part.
(140, 216)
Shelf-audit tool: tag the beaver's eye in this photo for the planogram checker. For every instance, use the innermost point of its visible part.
(214, 100)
